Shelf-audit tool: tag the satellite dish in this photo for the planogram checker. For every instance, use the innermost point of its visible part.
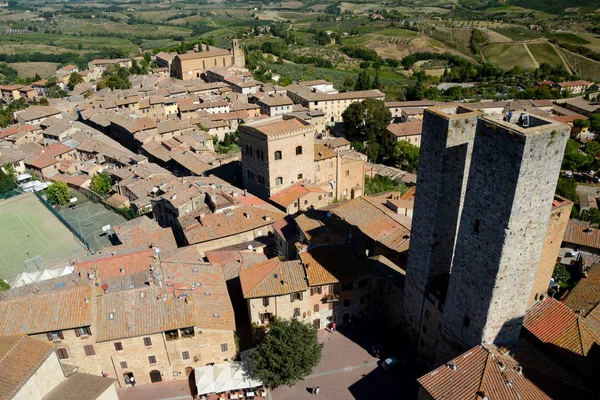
(250, 247)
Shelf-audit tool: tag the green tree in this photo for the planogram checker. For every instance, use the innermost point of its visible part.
(102, 183)
(381, 184)
(287, 353)
(566, 187)
(595, 123)
(592, 148)
(3, 285)
(591, 215)
(74, 79)
(407, 155)
(58, 193)
(363, 81)
(369, 116)
(376, 84)
(7, 179)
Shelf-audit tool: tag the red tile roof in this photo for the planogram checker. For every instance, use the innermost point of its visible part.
(80, 386)
(20, 357)
(273, 278)
(333, 264)
(233, 261)
(406, 129)
(290, 195)
(580, 233)
(110, 267)
(586, 294)
(62, 307)
(483, 371)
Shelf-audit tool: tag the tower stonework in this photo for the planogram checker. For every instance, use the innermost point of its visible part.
(503, 224)
(447, 142)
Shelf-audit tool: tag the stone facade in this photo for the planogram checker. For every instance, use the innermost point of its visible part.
(48, 376)
(447, 143)
(502, 229)
(194, 65)
(559, 219)
(273, 162)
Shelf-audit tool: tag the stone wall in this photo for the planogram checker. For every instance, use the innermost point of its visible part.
(446, 146)
(502, 228)
(48, 376)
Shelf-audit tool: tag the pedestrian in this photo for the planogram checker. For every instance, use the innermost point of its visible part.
(132, 381)
(333, 327)
(316, 391)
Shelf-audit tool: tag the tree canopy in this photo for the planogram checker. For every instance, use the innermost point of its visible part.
(367, 120)
(74, 79)
(58, 193)
(7, 179)
(102, 183)
(287, 353)
(407, 155)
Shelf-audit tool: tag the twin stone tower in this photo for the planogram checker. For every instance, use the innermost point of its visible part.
(485, 190)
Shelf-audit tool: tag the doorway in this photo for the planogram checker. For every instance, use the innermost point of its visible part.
(317, 323)
(127, 378)
(155, 376)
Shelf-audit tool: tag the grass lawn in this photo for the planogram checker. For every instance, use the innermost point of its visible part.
(545, 53)
(29, 69)
(28, 230)
(507, 56)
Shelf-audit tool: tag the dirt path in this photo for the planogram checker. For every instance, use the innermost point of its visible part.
(564, 60)
(537, 65)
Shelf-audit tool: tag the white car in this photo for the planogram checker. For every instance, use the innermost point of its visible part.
(390, 363)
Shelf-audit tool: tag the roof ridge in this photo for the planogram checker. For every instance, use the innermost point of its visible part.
(485, 369)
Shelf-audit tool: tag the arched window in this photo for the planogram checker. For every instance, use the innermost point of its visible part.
(278, 155)
(298, 150)
(279, 181)
(299, 176)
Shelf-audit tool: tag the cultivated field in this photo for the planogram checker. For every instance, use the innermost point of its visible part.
(29, 230)
(545, 53)
(29, 69)
(507, 56)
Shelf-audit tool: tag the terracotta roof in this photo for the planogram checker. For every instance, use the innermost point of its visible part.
(212, 226)
(483, 370)
(279, 126)
(55, 149)
(570, 336)
(322, 152)
(289, 195)
(80, 386)
(59, 308)
(377, 222)
(273, 278)
(580, 233)
(233, 261)
(110, 267)
(144, 233)
(20, 357)
(141, 312)
(586, 294)
(213, 52)
(333, 264)
(42, 162)
(574, 83)
(286, 228)
(406, 129)
(37, 112)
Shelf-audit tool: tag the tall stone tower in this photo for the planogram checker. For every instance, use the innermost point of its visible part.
(503, 224)
(446, 146)
(239, 58)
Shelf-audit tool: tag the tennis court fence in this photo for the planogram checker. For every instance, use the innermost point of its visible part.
(64, 221)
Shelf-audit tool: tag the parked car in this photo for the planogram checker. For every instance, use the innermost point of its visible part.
(391, 363)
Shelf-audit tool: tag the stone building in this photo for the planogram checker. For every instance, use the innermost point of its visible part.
(479, 265)
(276, 153)
(193, 65)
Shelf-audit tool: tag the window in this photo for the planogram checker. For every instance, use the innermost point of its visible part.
(346, 303)
(152, 359)
(265, 301)
(224, 347)
(62, 353)
(278, 155)
(147, 341)
(362, 283)
(426, 313)
(347, 173)
(347, 286)
(83, 331)
(57, 335)
(305, 202)
(466, 322)
(345, 192)
(320, 197)
(315, 290)
(298, 150)
(118, 346)
(316, 308)
(330, 164)
(185, 355)
(123, 364)
(89, 350)
(247, 149)
(296, 312)
(477, 224)
(299, 176)
(318, 167)
(296, 296)
(424, 330)
(279, 180)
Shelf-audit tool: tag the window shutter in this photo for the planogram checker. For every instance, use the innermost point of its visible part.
(49, 334)
(60, 334)
(319, 290)
(89, 330)
(316, 308)
(77, 332)
(147, 341)
(89, 350)
(292, 297)
(300, 296)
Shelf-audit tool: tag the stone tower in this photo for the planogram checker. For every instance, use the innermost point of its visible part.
(503, 223)
(446, 146)
(239, 58)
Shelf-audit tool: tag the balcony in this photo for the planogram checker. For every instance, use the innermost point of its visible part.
(331, 298)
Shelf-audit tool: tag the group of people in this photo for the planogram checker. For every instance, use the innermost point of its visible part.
(316, 390)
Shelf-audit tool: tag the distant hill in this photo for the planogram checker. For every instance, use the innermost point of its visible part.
(549, 6)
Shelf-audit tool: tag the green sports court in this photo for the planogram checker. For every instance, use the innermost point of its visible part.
(28, 230)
